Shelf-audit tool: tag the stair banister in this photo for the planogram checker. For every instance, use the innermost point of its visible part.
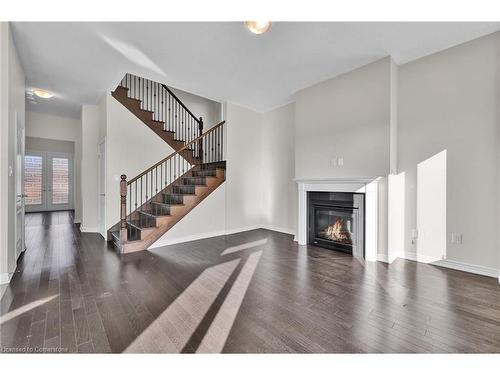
(179, 101)
(144, 188)
(200, 138)
(165, 107)
(123, 207)
(200, 132)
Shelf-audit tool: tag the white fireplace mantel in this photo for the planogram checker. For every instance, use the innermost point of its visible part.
(366, 185)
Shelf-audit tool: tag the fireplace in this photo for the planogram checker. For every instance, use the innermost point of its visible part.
(336, 221)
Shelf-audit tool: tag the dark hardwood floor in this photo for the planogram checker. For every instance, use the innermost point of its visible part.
(256, 291)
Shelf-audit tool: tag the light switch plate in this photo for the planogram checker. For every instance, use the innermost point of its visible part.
(456, 238)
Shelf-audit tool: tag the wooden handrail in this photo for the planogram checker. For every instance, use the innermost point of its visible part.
(180, 102)
(176, 152)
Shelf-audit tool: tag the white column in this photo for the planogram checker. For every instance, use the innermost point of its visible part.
(301, 236)
(371, 221)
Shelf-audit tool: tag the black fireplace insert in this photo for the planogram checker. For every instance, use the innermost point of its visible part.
(337, 221)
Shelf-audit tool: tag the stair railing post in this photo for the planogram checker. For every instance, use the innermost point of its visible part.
(200, 142)
(123, 208)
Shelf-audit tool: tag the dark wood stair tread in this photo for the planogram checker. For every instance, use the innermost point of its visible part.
(151, 214)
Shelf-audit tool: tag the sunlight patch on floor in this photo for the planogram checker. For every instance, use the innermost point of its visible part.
(216, 336)
(171, 331)
(244, 246)
(23, 309)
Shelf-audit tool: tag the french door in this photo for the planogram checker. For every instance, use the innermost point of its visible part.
(48, 181)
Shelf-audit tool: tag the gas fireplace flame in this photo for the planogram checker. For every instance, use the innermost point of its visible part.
(336, 232)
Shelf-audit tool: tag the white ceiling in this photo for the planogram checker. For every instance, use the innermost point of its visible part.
(219, 60)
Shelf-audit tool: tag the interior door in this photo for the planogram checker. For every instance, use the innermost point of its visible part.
(20, 196)
(102, 188)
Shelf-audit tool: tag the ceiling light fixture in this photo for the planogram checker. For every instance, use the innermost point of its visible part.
(258, 27)
(43, 93)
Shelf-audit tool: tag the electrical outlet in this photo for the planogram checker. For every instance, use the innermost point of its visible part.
(414, 234)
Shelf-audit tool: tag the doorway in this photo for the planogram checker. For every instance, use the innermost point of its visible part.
(48, 181)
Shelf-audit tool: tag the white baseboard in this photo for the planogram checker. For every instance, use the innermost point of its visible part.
(77, 220)
(412, 255)
(201, 236)
(89, 229)
(467, 267)
(278, 229)
(383, 258)
(243, 229)
(5, 277)
(453, 264)
(177, 240)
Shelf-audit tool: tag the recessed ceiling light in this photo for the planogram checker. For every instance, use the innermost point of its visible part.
(43, 93)
(258, 27)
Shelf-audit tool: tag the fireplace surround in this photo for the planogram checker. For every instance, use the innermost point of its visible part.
(369, 186)
(336, 221)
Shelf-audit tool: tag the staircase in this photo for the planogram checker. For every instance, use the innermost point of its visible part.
(158, 198)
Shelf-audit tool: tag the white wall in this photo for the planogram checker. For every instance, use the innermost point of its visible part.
(347, 116)
(48, 126)
(396, 216)
(207, 219)
(209, 110)
(12, 92)
(89, 182)
(431, 207)
(244, 193)
(49, 145)
(278, 169)
(4, 151)
(449, 101)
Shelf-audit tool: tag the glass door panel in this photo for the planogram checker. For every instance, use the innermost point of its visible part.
(60, 180)
(34, 185)
(48, 181)
(59, 186)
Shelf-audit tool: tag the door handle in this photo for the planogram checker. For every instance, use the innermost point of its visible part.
(22, 195)
(102, 195)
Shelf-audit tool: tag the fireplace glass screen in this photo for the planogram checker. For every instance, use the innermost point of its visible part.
(334, 225)
(336, 221)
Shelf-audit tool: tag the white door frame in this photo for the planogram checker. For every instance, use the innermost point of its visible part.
(101, 188)
(42, 206)
(47, 205)
(19, 223)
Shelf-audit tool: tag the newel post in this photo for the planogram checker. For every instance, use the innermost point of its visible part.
(123, 208)
(200, 142)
